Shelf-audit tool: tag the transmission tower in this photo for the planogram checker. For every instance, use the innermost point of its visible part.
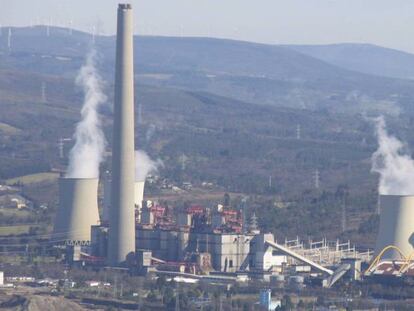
(70, 27)
(9, 35)
(93, 34)
(48, 29)
(183, 161)
(316, 179)
(43, 92)
(61, 146)
(298, 132)
(343, 218)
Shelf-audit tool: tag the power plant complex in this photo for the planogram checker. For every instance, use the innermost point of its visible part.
(204, 242)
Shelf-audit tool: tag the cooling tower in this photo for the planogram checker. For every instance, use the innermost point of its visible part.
(78, 210)
(396, 225)
(122, 220)
(138, 196)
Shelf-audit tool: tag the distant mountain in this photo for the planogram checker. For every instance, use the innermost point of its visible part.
(256, 73)
(365, 58)
(165, 54)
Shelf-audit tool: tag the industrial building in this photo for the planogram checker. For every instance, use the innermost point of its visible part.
(204, 242)
(192, 237)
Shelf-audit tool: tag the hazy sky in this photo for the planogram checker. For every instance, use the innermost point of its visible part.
(384, 22)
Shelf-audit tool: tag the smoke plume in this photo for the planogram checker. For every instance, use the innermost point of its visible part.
(87, 153)
(144, 165)
(394, 165)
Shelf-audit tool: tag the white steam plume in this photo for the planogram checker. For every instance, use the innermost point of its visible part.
(87, 153)
(144, 165)
(391, 161)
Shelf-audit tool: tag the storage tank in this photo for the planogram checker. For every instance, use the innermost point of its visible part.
(78, 210)
(396, 225)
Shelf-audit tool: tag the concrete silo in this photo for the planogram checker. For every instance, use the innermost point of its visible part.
(122, 212)
(78, 210)
(396, 226)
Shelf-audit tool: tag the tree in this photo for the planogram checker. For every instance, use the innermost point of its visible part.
(320, 301)
(287, 302)
(168, 296)
(161, 282)
(152, 296)
(301, 304)
(247, 306)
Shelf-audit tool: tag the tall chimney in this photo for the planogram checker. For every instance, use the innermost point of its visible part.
(122, 220)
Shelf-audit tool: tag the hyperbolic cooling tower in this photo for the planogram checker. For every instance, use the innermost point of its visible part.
(138, 196)
(122, 220)
(78, 210)
(396, 225)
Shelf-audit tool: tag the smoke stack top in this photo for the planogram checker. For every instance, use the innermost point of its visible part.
(124, 6)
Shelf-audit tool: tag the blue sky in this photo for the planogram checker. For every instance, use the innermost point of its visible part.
(383, 22)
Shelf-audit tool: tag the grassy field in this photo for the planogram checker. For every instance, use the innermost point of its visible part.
(23, 229)
(14, 212)
(12, 259)
(14, 230)
(33, 178)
